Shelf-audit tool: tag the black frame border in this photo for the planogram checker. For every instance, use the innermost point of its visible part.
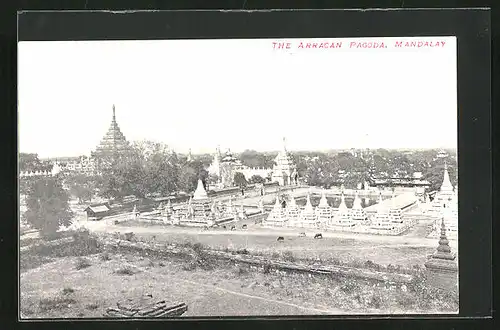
(471, 26)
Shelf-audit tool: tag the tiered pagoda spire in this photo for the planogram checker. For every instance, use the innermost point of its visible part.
(284, 170)
(114, 141)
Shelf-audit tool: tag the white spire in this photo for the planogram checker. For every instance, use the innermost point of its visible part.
(357, 202)
(446, 185)
(200, 192)
(292, 203)
(309, 207)
(342, 206)
(323, 202)
(277, 204)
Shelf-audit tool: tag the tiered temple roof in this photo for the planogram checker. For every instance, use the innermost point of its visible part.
(114, 141)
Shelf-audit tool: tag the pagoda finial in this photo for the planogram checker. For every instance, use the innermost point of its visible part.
(114, 116)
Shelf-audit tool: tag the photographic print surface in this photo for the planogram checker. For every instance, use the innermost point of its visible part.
(238, 177)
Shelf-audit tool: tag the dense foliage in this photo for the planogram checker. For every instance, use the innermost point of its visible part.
(47, 205)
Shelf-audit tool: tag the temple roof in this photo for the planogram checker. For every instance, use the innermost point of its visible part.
(113, 140)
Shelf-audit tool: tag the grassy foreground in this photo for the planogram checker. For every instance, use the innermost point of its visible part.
(83, 278)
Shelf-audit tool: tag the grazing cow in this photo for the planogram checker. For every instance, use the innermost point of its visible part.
(318, 236)
(244, 227)
(224, 227)
(302, 235)
(281, 239)
(117, 222)
(233, 227)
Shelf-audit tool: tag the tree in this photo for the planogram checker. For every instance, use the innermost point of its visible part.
(47, 206)
(82, 186)
(30, 162)
(240, 180)
(257, 179)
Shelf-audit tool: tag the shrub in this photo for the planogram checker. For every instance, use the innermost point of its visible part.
(288, 256)
(82, 263)
(105, 256)
(242, 251)
(92, 306)
(125, 270)
(66, 291)
(349, 287)
(57, 303)
(242, 271)
(267, 268)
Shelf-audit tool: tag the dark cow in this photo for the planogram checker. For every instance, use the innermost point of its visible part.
(233, 227)
(318, 236)
(302, 235)
(244, 227)
(224, 227)
(281, 239)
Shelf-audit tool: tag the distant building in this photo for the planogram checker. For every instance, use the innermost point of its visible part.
(284, 170)
(224, 167)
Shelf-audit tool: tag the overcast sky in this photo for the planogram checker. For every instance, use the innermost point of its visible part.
(239, 94)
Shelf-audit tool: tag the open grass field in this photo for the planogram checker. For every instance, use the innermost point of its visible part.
(75, 287)
(342, 249)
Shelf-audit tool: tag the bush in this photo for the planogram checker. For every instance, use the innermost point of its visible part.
(349, 287)
(105, 256)
(82, 263)
(288, 256)
(57, 303)
(92, 306)
(125, 270)
(242, 251)
(66, 291)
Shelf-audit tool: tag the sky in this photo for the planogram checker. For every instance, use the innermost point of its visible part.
(239, 94)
